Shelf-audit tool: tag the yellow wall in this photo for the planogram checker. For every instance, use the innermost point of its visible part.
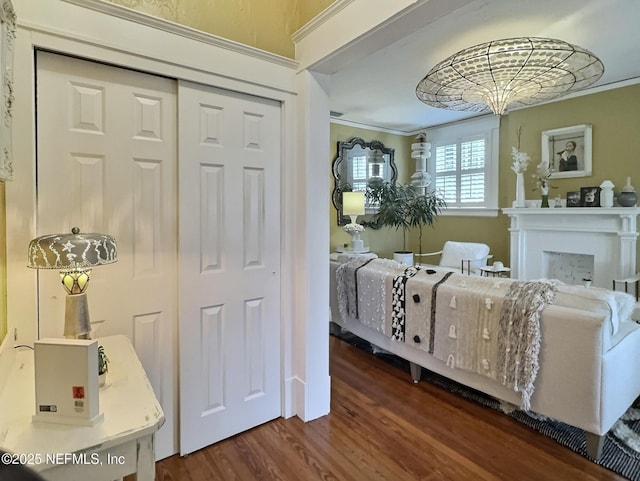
(616, 153)
(266, 24)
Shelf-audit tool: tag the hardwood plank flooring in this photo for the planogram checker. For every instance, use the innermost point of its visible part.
(384, 427)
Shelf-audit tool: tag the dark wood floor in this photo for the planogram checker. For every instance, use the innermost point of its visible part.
(383, 427)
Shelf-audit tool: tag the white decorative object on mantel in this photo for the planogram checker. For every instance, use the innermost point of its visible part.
(519, 166)
(606, 194)
(605, 236)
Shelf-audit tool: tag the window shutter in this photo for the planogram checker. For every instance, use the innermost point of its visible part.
(460, 172)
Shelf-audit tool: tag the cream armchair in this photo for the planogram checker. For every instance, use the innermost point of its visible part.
(460, 256)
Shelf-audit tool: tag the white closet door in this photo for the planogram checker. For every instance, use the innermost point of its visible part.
(229, 224)
(107, 163)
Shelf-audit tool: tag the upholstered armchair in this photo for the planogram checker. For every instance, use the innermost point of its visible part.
(464, 257)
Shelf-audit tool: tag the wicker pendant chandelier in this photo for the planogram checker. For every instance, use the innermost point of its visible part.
(512, 72)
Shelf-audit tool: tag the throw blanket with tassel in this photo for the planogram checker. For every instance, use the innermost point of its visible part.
(519, 340)
(362, 287)
(488, 326)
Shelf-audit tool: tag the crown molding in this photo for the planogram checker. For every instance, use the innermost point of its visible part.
(144, 19)
(348, 123)
(331, 11)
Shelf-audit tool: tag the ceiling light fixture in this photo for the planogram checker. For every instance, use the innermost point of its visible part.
(512, 72)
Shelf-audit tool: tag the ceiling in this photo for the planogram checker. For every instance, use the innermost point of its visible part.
(378, 90)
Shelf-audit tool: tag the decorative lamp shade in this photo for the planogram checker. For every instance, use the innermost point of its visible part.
(73, 251)
(513, 72)
(73, 255)
(353, 203)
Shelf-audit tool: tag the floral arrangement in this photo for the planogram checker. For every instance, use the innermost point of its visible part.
(542, 176)
(520, 159)
(353, 228)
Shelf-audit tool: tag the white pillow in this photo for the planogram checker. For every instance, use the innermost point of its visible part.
(453, 253)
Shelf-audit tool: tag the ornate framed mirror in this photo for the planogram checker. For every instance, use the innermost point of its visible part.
(357, 165)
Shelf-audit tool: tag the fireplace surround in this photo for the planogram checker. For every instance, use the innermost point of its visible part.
(574, 244)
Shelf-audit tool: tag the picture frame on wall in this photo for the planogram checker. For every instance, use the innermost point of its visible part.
(590, 196)
(567, 151)
(573, 199)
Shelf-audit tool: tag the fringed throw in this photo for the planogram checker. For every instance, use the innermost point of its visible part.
(519, 341)
(347, 286)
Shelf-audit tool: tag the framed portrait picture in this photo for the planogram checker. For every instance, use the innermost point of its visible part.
(573, 199)
(590, 196)
(567, 151)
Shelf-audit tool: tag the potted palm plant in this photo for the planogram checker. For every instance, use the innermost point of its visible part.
(423, 209)
(405, 207)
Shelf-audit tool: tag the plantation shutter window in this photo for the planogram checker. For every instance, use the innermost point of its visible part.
(464, 165)
(460, 172)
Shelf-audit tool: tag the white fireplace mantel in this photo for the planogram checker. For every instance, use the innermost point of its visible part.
(605, 237)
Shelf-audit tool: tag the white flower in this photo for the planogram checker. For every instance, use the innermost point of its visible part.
(352, 228)
(520, 160)
(542, 175)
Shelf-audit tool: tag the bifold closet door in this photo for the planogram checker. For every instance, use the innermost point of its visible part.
(229, 224)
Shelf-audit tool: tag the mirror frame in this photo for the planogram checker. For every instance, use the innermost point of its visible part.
(343, 149)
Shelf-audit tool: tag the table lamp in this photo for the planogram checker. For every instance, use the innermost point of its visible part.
(353, 206)
(73, 255)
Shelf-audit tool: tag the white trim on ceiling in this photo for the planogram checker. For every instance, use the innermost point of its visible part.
(368, 127)
(331, 11)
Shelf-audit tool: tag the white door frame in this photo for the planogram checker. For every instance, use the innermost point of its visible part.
(105, 32)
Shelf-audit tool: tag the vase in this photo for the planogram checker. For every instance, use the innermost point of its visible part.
(606, 194)
(545, 196)
(520, 197)
(545, 201)
(627, 197)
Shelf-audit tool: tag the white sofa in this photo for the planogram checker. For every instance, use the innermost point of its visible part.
(589, 361)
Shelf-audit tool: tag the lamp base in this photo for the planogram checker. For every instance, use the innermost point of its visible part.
(76, 317)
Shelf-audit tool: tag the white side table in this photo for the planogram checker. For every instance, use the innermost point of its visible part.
(630, 282)
(486, 271)
(121, 444)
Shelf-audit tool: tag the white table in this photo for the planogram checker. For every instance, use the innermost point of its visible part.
(119, 445)
(495, 272)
